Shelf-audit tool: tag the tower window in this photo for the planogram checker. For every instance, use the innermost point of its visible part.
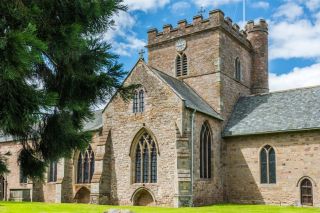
(238, 69)
(181, 65)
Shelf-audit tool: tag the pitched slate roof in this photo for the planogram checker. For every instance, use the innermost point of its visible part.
(186, 93)
(283, 111)
(90, 125)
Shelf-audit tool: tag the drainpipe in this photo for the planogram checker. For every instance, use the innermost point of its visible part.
(192, 147)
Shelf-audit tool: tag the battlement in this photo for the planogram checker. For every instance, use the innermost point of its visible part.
(260, 26)
(216, 20)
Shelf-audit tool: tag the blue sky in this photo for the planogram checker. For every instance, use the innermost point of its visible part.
(294, 32)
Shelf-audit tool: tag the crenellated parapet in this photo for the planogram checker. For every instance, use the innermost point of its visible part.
(216, 20)
(251, 26)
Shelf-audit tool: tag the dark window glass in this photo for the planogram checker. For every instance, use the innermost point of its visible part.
(146, 164)
(306, 192)
(52, 176)
(135, 102)
(146, 160)
(272, 166)
(138, 165)
(141, 101)
(205, 151)
(85, 165)
(238, 69)
(153, 163)
(264, 166)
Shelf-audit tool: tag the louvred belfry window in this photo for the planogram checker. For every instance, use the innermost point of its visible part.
(181, 65)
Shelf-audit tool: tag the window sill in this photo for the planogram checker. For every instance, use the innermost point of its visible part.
(268, 185)
(205, 179)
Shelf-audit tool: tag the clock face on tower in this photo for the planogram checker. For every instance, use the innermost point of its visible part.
(181, 45)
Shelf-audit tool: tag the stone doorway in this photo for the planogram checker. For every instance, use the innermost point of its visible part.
(143, 197)
(2, 188)
(83, 195)
(306, 192)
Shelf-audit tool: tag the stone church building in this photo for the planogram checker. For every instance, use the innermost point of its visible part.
(202, 129)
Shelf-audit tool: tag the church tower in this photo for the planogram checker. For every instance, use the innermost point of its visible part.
(213, 56)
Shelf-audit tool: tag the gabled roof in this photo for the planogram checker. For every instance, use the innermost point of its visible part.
(89, 125)
(283, 111)
(187, 94)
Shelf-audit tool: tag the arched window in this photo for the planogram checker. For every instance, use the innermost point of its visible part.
(23, 178)
(268, 165)
(135, 102)
(306, 192)
(146, 160)
(141, 101)
(238, 69)
(52, 175)
(181, 65)
(85, 166)
(205, 151)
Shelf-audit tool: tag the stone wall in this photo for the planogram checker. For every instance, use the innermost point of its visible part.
(297, 154)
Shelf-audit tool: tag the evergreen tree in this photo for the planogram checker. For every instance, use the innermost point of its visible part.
(54, 66)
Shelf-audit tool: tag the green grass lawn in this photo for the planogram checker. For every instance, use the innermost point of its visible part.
(11, 207)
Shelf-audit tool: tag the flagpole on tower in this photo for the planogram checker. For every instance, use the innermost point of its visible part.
(244, 11)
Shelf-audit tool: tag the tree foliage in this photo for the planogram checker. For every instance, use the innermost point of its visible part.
(54, 66)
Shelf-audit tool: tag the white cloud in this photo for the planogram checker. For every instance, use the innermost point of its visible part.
(145, 5)
(312, 4)
(298, 39)
(299, 77)
(289, 10)
(122, 30)
(179, 8)
(215, 3)
(260, 4)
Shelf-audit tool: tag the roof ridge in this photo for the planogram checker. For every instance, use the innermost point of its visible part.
(284, 91)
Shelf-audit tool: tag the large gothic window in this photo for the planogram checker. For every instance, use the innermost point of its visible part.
(85, 166)
(205, 151)
(52, 174)
(181, 65)
(237, 69)
(145, 160)
(268, 165)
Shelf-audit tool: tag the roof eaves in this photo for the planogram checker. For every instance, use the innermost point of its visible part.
(224, 135)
